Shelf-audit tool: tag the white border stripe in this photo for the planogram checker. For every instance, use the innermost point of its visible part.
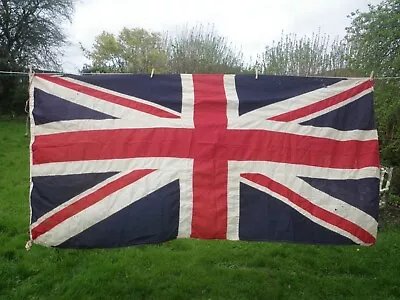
(187, 100)
(240, 124)
(186, 202)
(111, 165)
(233, 204)
(139, 123)
(232, 98)
(294, 128)
(309, 171)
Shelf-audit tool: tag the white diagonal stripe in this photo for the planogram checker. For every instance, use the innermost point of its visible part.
(111, 92)
(106, 207)
(82, 99)
(303, 100)
(333, 107)
(91, 102)
(287, 175)
(77, 198)
(303, 212)
(329, 203)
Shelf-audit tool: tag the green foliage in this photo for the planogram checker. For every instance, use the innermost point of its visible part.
(30, 34)
(374, 40)
(13, 94)
(387, 108)
(305, 56)
(374, 37)
(202, 50)
(132, 51)
(395, 183)
(190, 50)
(394, 200)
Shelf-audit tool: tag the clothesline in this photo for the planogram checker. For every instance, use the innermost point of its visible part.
(12, 73)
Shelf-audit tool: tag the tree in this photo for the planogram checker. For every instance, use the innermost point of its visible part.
(202, 50)
(195, 50)
(374, 39)
(132, 51)
(387, 108)
(30, 34)
(304, 56)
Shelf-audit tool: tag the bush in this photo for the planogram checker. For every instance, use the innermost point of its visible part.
(395, 183)
(394, 200)
(13, 95)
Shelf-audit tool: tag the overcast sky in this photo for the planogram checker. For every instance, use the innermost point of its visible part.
(249, 24)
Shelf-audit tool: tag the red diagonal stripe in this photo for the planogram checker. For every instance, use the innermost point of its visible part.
(313, 108)
(311, 208)
(240, 145)
(152, 110)
(87, 201)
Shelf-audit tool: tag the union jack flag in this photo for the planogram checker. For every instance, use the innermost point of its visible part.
(119, 160)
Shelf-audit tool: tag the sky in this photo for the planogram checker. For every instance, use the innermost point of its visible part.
(250, 25)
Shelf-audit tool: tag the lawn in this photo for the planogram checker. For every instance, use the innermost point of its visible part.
(182, 269)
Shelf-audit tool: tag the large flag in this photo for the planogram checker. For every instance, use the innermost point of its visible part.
(119, 160)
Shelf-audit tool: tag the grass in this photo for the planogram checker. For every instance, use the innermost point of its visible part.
(182, 269)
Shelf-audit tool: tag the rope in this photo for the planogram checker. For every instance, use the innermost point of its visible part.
(27, 73)
(390, 138)
(12, 73)
(31, 76)
(28, 245)
(384, 78)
